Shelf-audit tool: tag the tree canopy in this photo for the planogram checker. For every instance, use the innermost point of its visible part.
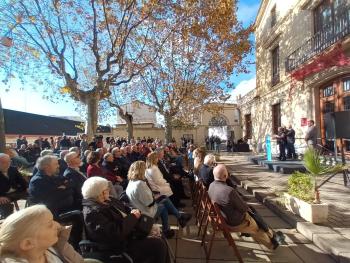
(178, 55)
(80, 48)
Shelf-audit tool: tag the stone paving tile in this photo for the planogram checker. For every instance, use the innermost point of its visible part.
(276, 222)
(283, 254)
(309, 253)
(292, 236)
(334, 192)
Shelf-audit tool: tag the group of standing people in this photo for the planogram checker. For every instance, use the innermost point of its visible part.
(286, 140)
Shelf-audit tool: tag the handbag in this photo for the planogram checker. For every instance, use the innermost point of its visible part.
(143, 227)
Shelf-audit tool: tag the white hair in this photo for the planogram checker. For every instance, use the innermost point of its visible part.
(63, 153)
(46, 152)
(18, 226)
(69, 156)
(107, 155)
(93, 187)
(74, 149)
(209, 159)
(45, 161)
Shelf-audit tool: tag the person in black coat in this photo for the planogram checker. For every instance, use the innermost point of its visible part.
(121, 163)
(173, 180)
(12, 185)
(75, 178)
(48, 189)
(62, 165)
(206, 171)
(109, 222)
(290, 136)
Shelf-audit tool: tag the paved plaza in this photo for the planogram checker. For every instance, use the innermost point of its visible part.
(186, 245)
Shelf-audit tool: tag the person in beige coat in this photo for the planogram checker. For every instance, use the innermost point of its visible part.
(155, 177)
(32, 236)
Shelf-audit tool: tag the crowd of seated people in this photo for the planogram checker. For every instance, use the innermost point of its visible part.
(13, 186)
(63, 166)
(145, 174)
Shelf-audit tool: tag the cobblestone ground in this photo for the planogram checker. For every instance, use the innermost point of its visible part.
(333, 192)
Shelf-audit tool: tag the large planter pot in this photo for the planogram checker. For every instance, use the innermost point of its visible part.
(314, 213)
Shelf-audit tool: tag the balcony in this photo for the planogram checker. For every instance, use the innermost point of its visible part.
(335, 31)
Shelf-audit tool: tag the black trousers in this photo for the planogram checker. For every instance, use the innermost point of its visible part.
(282, 148)
(178, 191)
(291, 150)
(149, 250)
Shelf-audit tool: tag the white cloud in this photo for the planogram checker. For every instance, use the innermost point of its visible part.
(246, 13)
(243, 88)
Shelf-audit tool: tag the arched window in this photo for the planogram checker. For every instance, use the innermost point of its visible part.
(218, 121)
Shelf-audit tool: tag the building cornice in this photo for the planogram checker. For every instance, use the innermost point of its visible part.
(261, 12)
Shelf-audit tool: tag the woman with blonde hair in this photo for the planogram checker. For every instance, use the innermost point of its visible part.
(198, 156)
(31, 235)
(155, 177)
(154, 205)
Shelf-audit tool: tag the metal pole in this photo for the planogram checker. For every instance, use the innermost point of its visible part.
(335, 138)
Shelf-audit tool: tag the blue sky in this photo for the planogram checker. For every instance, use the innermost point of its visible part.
(30, 101)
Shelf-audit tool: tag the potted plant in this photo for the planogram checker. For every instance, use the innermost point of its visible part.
(303, 197)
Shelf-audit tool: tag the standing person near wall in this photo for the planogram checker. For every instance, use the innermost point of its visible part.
(281, 141)
(311, 134)
(290, 134)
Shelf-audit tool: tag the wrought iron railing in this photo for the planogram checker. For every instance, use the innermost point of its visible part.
(335, 31)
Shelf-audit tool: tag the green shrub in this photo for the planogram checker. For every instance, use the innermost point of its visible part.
(301, 186)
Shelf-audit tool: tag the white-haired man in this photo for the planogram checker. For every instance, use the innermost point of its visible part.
(12, 185)
(206, 171)
(237, 212)
(75, 178)
(47, 188)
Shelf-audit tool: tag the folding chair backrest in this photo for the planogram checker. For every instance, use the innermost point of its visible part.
(220, 220)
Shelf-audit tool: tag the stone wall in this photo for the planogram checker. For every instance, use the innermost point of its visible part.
(294, 26)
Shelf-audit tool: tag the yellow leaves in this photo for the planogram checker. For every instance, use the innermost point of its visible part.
(32, 19)
(65, 90)
(34, 52)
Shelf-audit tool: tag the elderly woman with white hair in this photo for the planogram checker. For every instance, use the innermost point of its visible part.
(108, 221)
(32, 235)
(206, 171)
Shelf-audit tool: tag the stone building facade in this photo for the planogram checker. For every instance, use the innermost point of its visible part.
(227, 119)
(302, 68)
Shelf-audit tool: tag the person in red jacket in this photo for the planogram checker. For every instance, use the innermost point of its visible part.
(94, 169)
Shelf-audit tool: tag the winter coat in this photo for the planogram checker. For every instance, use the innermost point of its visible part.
(106, 224)
(157, 181)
